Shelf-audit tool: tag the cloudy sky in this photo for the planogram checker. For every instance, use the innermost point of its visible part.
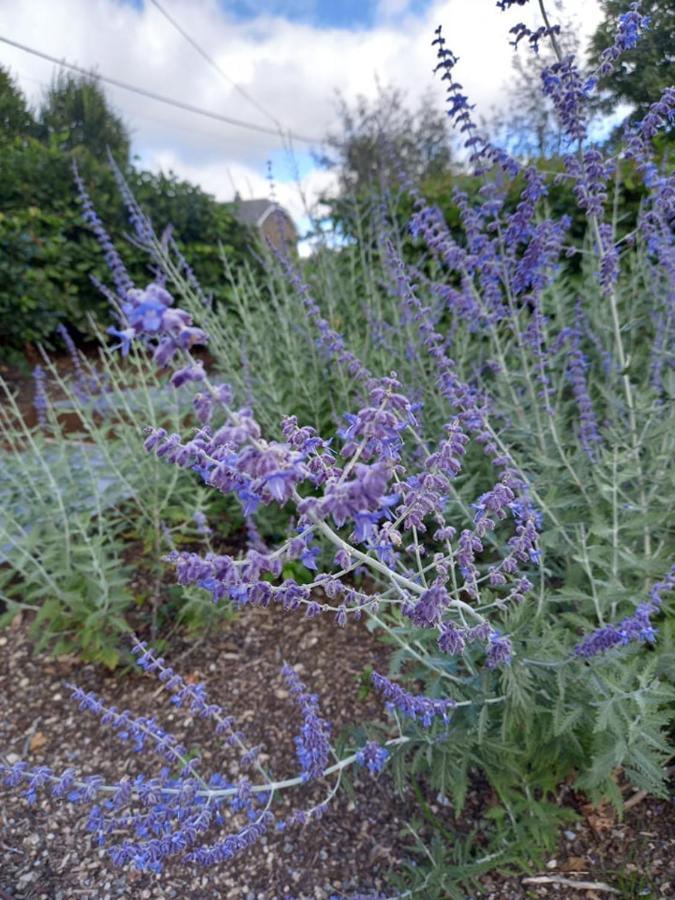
(283, 61)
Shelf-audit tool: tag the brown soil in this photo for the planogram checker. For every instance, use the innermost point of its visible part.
(45, 851)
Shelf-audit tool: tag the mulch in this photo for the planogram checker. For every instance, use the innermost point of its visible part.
(45, 851)
(47, 854)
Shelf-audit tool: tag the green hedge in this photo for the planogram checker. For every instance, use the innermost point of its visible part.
(49, 255)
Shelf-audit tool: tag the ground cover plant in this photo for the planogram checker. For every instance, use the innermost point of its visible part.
(495, 497)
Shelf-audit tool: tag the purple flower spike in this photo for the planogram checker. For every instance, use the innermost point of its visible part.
(637, 627)
(481, 152)
(589, 434)
(40, 401)
(313, 747)
(632, 25)
(121, 279)
(373, 757)
(422, 709)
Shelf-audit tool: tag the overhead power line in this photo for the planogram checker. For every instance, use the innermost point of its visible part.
(160, 98)
(214, 65)
(183, 125)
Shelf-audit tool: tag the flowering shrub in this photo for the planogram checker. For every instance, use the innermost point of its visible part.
(77, 489)
(504, 489)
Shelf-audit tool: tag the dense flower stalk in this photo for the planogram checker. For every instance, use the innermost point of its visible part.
(564, 84)
(420, 708)
(40, 401)
(636, 627)
(313, 746)
(121, 279)
(589, 433)
(632, 25)
(481, 151)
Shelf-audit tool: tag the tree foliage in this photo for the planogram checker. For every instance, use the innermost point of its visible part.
(49, 256)
(15, 117)
(379, 139)
(76, 113)
(642, 73)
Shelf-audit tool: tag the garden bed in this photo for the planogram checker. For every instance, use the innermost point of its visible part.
(46, 853)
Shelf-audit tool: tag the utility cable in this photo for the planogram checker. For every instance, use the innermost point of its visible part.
(214, 65)
(148, 116)
(160, 98)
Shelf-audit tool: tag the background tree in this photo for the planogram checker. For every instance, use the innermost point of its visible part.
(379, 138)
(15, 116)
(48, 255)
(526, 122)
(76, 113)
(642, 74)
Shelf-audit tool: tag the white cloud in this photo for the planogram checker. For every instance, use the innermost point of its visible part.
(391, 9)
(290, 69)
(223, 179)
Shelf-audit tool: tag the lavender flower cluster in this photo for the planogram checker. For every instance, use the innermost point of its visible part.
(360, 504)
(381, 496)
(149, 313)
(313, 745)
(415, 707)
(172, 814)
(636, 627)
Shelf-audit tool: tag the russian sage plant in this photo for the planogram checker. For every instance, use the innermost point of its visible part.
(76, 489)
(501, 470)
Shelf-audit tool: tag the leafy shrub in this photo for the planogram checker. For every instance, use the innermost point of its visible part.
(506, 490)
(83, 508)
(49, 258)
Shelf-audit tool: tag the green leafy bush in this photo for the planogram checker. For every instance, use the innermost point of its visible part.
(87, 516)
(49, 258)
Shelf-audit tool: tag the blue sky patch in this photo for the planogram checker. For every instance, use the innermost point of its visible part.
(346, 14)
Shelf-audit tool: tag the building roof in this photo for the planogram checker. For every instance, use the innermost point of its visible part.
(255, 212)
(252, 212)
